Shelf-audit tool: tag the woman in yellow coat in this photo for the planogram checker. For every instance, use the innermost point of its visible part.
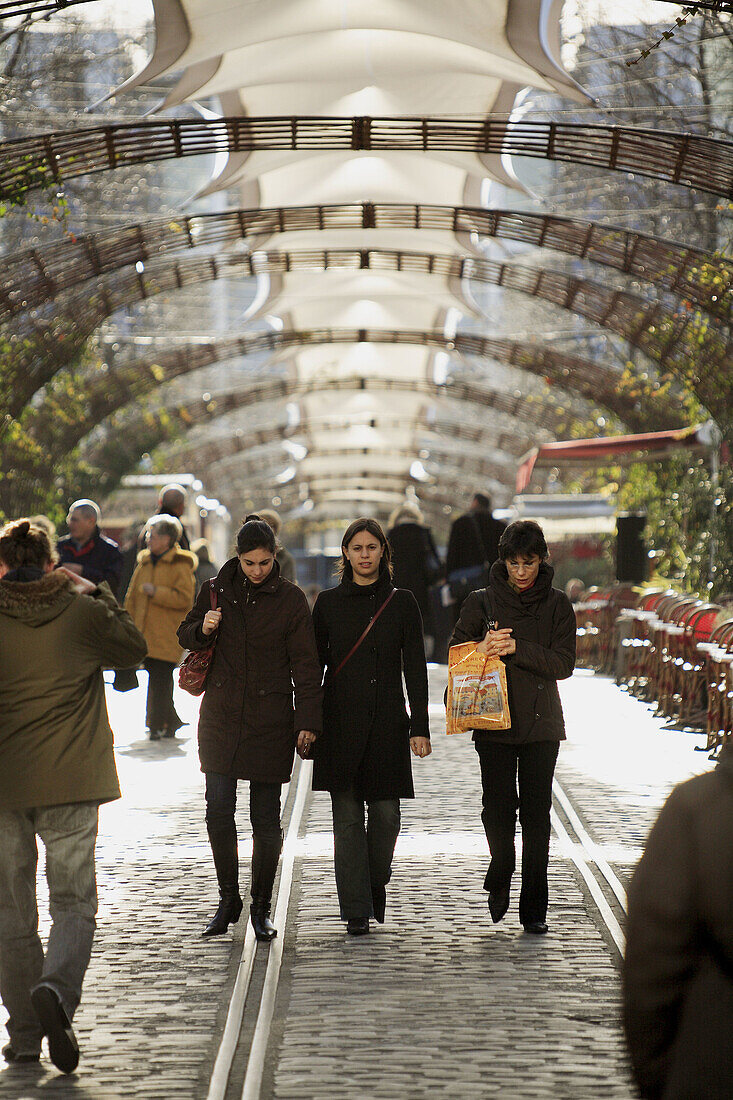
(161, 592)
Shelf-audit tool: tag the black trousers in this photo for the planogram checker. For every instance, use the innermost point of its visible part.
(518, 777)
(160, 714)
(264, 814)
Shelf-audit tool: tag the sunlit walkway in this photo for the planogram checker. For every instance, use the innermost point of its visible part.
(436, 1002)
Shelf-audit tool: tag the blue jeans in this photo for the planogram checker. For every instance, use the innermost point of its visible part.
(362, 852)
(69, 834)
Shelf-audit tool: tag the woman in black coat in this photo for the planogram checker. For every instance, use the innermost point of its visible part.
(415, 560)
(364, 754)
(530, 625)
(248, 725)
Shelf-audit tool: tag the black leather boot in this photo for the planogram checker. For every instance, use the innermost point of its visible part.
(223, 838)
(230, 908)
(265, 856)
(259, 912)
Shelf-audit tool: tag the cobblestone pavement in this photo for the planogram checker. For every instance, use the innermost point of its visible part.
(436, 1002)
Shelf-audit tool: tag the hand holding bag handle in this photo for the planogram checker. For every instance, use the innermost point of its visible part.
(369, 626)
(196, 664)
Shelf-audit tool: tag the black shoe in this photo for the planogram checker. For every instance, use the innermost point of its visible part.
(155, 735)
(18, 1059)
(379, 903)
(498, 903)
(358, 926)
(259, 912)
(535, 927)
(229, 911)
(63, 1048)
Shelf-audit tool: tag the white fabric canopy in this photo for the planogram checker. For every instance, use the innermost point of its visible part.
(347, 58)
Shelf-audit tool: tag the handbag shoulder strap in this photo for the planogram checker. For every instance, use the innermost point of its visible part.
(487, 602)
(369, 626)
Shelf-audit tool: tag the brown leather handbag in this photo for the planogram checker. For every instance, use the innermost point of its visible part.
(196, 664)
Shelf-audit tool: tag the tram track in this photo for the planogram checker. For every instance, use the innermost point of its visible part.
(221, 1086)
(602, 883)
(240, 1061)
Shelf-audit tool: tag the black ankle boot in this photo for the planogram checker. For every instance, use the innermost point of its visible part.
(259, 912)
(230, 908)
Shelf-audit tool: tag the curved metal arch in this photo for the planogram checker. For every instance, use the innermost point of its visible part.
(11, 9)
(212, 452)
(374, 485)
(624, 313)
(262, 470)
(34, 276)
(680, 158)
(141, 433)
(116, 388)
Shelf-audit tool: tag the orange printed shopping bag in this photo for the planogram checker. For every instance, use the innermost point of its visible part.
(477, 696)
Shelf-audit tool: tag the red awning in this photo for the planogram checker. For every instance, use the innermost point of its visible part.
(617, 449)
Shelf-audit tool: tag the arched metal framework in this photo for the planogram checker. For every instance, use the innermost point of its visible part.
(679, 158)
(143, 430)
(34, 276)
(117, 387)
(11, 9)
(202, 455)
(670, 339)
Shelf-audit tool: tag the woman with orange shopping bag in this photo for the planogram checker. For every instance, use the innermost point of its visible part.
(530, 625)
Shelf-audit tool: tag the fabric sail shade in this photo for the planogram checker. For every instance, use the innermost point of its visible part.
(617, 449)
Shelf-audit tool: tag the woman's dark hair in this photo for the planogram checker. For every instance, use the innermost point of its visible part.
(24, 543)
(255, 534)
(525, 537)
(343, 569)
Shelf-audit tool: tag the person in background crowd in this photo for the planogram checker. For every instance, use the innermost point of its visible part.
(574, 589)
(363, 759)
(172, 502)
(85, 550)
(47, 524)
(473, 546)
(530, 625)
(205, 570)
(57, 632)
(678, 970)
(248, 726)
(133, 541)
(285, 559)
(161, 590)
(415, 561)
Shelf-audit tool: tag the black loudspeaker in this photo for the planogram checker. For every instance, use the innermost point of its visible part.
(631, 554)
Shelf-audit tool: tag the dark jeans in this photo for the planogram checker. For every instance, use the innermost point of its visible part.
(264, 803)
(518, 777)
(160, 714)
(362, 853)
(264, 814)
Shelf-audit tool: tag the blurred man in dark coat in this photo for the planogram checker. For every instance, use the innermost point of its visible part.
(678, 972)
(85, 550)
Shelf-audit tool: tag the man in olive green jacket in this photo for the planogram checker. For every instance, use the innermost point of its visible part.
(57, 632)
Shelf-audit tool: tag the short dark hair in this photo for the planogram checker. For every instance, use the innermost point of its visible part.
(25, 543)
(365, 523)
(524, 536)
(255, 534)
(483, 501)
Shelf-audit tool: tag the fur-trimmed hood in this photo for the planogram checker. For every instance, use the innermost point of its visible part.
(36, 602)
